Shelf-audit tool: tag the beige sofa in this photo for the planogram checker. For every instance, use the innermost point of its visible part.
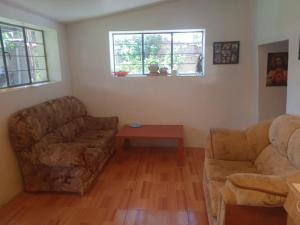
(246, 172)
(59, 147)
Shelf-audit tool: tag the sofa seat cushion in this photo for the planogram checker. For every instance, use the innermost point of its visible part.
(100, 138)
(218, 170)
(71, 155)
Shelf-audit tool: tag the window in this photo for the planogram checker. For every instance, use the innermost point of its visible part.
(22, 56)
(180, 51)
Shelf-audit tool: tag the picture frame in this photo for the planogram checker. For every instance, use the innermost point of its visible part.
(299, 50)
(277, 69)
(226, 52)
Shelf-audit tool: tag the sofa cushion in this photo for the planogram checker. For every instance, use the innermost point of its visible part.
(281, 130)
(30, 125)
(271, 162)
(294, 149)
(98, 137)
(229, 145)
(72, 129)
(218, 170)
(258, 137)
(71, 155)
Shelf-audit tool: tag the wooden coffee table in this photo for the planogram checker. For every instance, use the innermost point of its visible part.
(173, 132)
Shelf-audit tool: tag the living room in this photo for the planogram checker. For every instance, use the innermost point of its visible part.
(81, 62)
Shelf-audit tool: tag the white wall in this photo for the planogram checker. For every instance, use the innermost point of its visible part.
(277, 20)
(272, 100)
(225, 97)
(11, 101)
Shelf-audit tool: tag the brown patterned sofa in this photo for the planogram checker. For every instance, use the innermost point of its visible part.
(59, 147)
(246, 172)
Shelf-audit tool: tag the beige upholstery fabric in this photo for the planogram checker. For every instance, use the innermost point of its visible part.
(214, 188)
(218, 170)
(57, 147)
(271, 162)
(229, 145)
(251, 167)
(281, 130)
(257, 137)
(252, 197)
(294, 149)
(263, 183)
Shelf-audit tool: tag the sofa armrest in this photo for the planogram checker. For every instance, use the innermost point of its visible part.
(255, 190)
(66, 155)
(227, 144)
(101, 123)
(276, 185)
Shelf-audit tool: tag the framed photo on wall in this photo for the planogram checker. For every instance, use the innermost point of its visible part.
(277, 70)
(226, 52)
(299, 50)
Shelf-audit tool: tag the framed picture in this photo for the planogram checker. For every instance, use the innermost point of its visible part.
(299, 50)
(277, 70)
(226, 52)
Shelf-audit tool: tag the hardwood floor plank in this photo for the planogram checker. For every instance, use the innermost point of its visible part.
(141, 186)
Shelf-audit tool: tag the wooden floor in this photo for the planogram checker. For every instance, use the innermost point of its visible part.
(138, 187)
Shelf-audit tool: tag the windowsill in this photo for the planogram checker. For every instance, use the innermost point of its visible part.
(169, 75)
(13, 89)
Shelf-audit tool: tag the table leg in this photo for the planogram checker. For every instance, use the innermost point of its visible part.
(180, 151)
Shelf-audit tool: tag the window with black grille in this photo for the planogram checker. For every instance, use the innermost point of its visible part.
(22, 56)
(181, 51)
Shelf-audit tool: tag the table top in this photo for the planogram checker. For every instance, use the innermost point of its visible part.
(152, 131)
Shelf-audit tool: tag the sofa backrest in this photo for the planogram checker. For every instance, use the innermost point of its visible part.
(284, 136)
(30, 125)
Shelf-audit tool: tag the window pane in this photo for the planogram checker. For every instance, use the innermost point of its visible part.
(157, 48)
(16, 63)
(35, 49)
(39, 76)
(188, 52)
(3, 81)
(13, 40)
(37, 63)
(128, 53)
(34, 36)
(15, 55)
(18, 77)
(187, 63)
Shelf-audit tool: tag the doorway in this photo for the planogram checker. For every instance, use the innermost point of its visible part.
(272, 95)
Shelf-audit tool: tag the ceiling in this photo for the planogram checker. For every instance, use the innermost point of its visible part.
(74, 10)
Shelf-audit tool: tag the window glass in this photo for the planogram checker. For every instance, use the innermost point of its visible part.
(128, 53)
(188, 53)
(22, 56)
(36, 55)
(157, 48)
(181, 51)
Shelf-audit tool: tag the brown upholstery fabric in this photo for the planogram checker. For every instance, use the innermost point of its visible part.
(57, 148)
